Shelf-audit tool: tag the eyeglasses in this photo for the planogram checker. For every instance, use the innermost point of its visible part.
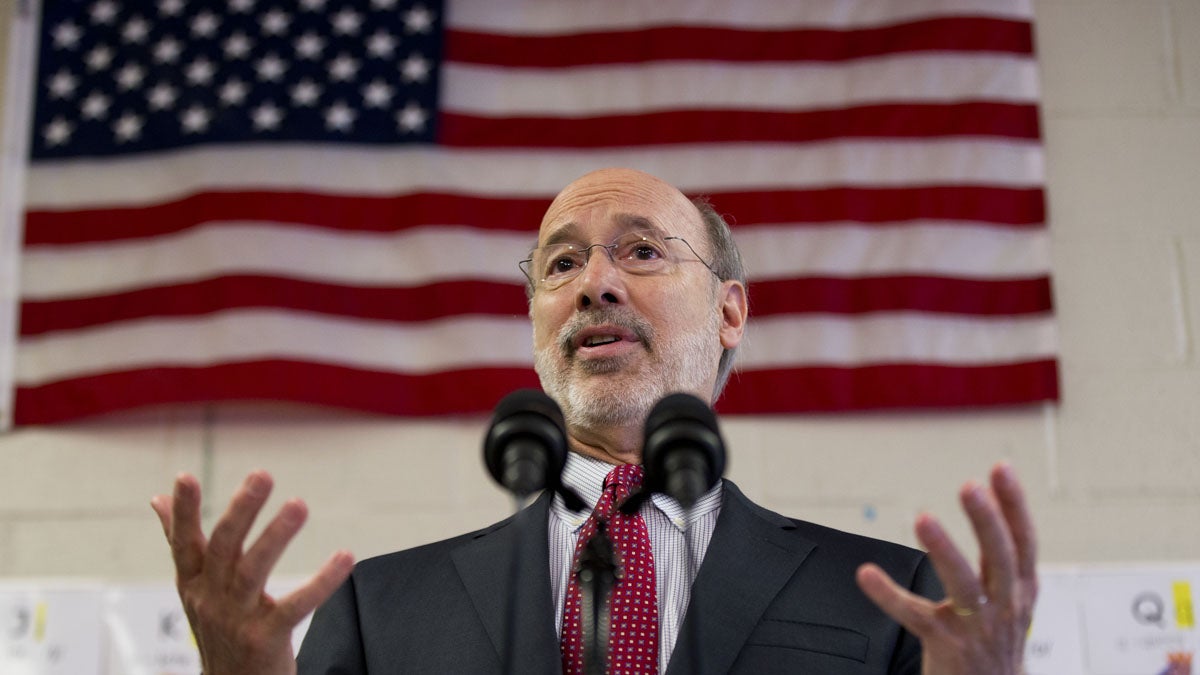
(642, 252)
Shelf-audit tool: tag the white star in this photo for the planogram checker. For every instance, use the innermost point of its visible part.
(128, 127)
(99, 57)
(381, 44)
(170, 7)
(195, 119)
(270, 68)
(383, 4)
(95, 106)
(347, 22)
(377, 94)
(162, 96)
(415, 68)
(267, 116)
(58, 132)
(62, 84)
(275, 22)
(411, 118)
(242, 6)
(343, 68)
(66, 35)
(130, 76)
(418, 20)
(313, 5)
(135, 30)
(205, 24)
(234, 92)
(200, 71)
(340, 117)
(305, 93)
(238, 46)
(104, 11)
(168, 50)
(309, 45)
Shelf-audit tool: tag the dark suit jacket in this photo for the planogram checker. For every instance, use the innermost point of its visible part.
(773, 595)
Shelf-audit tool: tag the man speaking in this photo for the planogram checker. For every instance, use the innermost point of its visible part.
(635, 293)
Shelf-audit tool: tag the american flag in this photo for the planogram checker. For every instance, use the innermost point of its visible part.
(324, 201)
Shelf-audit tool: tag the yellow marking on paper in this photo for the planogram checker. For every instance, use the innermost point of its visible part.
(1184, 616)
(39, 622)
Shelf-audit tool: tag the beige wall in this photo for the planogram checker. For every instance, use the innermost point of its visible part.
(1113, 473)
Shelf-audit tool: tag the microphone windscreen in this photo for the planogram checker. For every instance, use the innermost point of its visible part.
(681, 422)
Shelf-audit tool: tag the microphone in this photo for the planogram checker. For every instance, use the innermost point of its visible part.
(526, 446)
(683, 453)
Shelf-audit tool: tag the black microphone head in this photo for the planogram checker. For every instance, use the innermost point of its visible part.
(526, 416)
(681, 422)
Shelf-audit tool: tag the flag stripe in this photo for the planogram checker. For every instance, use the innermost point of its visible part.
(701, 43)
(885, 206)
(443, 300)
(697, 126)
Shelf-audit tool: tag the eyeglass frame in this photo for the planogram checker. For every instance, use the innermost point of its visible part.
(608, 248)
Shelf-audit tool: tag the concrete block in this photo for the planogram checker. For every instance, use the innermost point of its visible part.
(1097, 56)
(117, 547)
(1185, 27)
(1129, 530)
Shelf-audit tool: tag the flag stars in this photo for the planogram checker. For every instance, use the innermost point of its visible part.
(310, 46)
(412, 118)
(275, 22)
(58, 132)
(347, 22)
(270, 68)
(267, 117)
(237, 46)
(340, 117)
(418, 20)
(195, 119)
(205, 24)
(381, 44)
(130, 76)
(377, 94)
(103, 12)
(62, 84)
(66, 35)
(305, 93)
(99, 58)
(170, 7)
(162, 96)
(383, 4)
(343, 68)
(128, 128)
(135, 30)
(95, 106)
(241, 6)
(415, 68)
(312, 5)
(167, 50)
(233, 92)
(200, 71)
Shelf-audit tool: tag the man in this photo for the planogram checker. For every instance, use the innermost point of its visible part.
(635, 292)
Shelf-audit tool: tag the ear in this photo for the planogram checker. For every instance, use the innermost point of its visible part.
(734, 308)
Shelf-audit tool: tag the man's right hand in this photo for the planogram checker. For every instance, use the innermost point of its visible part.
(240, 629)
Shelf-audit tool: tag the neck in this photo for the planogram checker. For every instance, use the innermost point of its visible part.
(615, 445)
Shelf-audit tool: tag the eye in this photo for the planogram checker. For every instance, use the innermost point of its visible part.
(563, 262)
(644, 250)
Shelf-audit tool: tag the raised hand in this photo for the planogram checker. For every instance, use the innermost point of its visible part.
(981, 625)
(239, 628)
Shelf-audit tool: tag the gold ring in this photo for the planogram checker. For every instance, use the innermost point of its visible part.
(968, 611)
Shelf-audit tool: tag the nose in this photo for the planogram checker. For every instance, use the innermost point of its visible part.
(600, 282)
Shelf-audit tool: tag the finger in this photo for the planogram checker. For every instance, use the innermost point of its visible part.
(1020, 520)
(228, 535)
(162, 508)
(296, 605)
(256, 565)
(953, 569)
(907, 609)
(997, 552)
(184, 531)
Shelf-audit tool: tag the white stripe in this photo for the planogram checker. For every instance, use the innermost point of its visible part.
(240, 335)
(891, 338)
(938, 249)
(428, 255)
(408, 258)
(920, 78)
(95, 183)
(542, 17)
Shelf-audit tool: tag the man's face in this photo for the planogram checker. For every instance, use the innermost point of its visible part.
(667, 327)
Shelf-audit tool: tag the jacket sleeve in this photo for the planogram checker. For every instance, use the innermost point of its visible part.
(333, 643)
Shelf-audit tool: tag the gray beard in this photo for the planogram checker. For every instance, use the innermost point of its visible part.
(684, 362)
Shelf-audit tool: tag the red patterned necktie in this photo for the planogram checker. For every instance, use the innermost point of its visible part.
(633, 640)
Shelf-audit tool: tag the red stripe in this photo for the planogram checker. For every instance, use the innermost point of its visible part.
(939, 295)
(421, 303)
(344, 212)
(697, 43)
(445, 393)
(1007, 206)
(1005, 120)
(889, 386)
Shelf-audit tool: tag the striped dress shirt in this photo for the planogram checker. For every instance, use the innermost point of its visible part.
(677, 540)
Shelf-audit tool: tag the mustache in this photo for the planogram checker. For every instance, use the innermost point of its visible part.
(613, 316)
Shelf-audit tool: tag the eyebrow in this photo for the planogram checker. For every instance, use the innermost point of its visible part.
(569, 233)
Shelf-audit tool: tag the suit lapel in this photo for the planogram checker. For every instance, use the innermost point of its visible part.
(751, 556)
(485, 567)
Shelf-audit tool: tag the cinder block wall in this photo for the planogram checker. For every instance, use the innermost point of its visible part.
(1113, 472)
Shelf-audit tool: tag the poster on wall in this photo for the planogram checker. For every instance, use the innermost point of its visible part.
(50, 630)
(1140, 620)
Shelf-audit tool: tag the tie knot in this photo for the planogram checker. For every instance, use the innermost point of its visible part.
(625, 477)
